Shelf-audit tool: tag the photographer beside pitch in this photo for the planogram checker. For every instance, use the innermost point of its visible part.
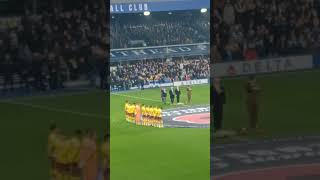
(189, 93)
(253, 91)
(219, 100)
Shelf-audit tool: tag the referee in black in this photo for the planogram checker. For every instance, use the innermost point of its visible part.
(219, 99)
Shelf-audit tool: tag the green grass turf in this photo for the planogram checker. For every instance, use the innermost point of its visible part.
(152, 153)
(288, 105)
(24, 130)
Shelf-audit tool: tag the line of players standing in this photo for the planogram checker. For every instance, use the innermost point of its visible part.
(76, 157)
(144, 115)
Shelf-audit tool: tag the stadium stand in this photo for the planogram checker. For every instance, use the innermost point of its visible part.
(255, 29)
(163, 28)
(44, 49)
(160, 30)
(144, 72)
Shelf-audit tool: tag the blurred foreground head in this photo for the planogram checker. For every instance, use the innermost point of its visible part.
(252, 78)
(216, 81)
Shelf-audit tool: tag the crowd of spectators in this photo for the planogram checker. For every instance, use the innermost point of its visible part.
(255, 29)
(53, 46)
(159, 29)
(140, 73)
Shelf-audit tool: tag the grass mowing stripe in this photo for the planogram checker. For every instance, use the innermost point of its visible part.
(141, 98)
(25, 129)
(53, 109)
(157, 153)
(49, 95)
(135, 97)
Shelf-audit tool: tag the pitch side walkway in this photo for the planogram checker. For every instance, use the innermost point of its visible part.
(283, 159)
(187, 117)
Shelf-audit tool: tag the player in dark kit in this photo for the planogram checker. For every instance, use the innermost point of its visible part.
(171, 93)
(252, 90)
(219, 99)
(178, 93)
(164, 95)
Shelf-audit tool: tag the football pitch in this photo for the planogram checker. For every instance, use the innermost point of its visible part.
(25, 124)
(289, 105)
(158, 153)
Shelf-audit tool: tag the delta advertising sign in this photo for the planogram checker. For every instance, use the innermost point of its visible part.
(272, 65)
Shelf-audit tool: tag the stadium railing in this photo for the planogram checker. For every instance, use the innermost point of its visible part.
(159, 52)
(170, 84)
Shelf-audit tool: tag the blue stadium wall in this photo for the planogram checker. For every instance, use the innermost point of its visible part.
(164, 5)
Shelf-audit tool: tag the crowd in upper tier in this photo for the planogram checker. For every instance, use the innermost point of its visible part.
(135, 30)
(45, 49)
(255, 29)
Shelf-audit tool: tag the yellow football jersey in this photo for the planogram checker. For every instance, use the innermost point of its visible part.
(154, 112)
(148, 111)
(157, 112)
(52, 138)
(74, 150)
(133, 109)
(58, 150)
(143, 110)
(62, 151)
(126, 107)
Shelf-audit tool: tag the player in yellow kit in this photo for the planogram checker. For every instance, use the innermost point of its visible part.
(129, 112)
(126, 109)
(52, 139)
(74, 155)
(61, 157)
(157, 117)
(160, 117)
(146, 116)
(150, 116)
(132, 112)
(154, 116)
(143, 111)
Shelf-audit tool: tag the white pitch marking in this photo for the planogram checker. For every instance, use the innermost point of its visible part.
(52, 109)
(135, 97)
(53, 95)
(180, 126)
(147, 99)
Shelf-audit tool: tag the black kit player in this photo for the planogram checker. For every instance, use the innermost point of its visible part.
(164, 95)
(178, 93)
(171, 93)
(219, 99)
